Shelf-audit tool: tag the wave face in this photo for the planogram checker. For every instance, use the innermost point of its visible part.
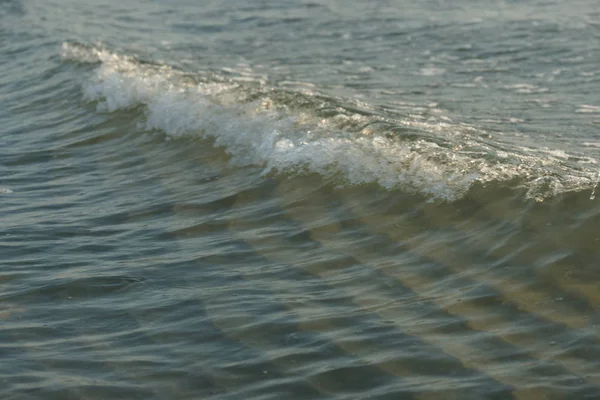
(301, 131)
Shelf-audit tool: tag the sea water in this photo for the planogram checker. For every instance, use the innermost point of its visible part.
(299, 199)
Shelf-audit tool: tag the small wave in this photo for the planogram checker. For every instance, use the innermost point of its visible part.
(290, 132)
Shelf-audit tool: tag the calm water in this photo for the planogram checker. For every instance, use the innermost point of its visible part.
(309, 199)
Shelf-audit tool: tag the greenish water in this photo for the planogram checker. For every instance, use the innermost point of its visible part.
(299, 200)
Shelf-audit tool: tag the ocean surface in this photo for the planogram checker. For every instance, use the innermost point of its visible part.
(307, 199)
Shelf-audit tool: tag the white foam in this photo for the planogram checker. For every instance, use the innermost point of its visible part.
(259, 133)
(587, 108)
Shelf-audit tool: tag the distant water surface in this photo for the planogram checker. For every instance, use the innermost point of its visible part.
(299, 199)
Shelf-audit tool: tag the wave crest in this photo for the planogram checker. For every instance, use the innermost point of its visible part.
(292, 132)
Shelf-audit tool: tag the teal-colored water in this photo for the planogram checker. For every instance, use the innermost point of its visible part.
(304, 200)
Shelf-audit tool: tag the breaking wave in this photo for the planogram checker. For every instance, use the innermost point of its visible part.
(284, 131)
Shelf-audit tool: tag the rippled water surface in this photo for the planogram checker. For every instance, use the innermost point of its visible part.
(299, 199)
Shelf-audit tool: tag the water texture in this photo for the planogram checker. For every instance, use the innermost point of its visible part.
(299, 199)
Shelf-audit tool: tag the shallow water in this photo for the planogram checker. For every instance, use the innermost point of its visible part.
(299, 199)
